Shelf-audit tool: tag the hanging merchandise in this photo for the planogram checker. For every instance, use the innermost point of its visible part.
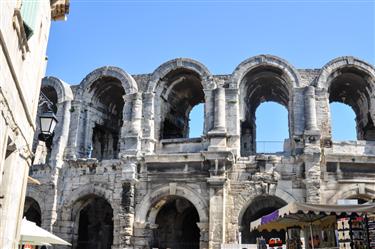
(343, 229)
(358, 232)
(371, 230)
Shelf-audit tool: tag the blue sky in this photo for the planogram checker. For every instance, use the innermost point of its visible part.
(140, 35)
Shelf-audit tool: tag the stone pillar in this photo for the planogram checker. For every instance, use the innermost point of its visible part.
(143, 234)
(209, 110)
(131, 130)
(75, 129)
(312, 153)
(126, 192)
(310, 109)
(219, 121)
(312, 181)
(217, 136)
(148, 124)
(136, 115)
(60, 138)
(203, 240)
(216, 234)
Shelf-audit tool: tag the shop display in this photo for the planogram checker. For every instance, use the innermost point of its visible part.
(275, 243)
(352, 232)
(294, 238)
(371, 230)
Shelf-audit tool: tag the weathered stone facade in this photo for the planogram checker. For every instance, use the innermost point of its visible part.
(121, 164)
(24, 31)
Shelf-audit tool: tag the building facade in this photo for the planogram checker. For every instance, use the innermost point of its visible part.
(121, 171)
(24, 30)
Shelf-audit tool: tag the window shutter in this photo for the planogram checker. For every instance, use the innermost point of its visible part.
(29, 13)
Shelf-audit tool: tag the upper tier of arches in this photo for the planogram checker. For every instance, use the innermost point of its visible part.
(113, 112)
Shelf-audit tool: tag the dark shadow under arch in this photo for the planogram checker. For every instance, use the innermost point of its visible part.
(32, 211)
(176, 224)
(260, 206)
(95, 224)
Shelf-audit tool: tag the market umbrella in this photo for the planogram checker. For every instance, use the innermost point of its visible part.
(305, 215)
(34, 235)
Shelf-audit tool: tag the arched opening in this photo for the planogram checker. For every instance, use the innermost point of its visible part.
(349, 86)
(176, 225)
(260, 85)
(106, 122)
(362, 198)
(259, 207)
(343, 123)
(47, 102)
(95, 224)
(180, 91)
(32, 211)
(271, 127)
(196, 120)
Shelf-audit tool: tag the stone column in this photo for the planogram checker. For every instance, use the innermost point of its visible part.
(217, 136)
(219, 121)
(310, 109)
(209, 110)
(148, 124)
(136, 115)
(60, 139)
(312, 153)
(75, 128)
(131, 130)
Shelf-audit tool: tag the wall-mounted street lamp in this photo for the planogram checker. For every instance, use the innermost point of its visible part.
(47, 120)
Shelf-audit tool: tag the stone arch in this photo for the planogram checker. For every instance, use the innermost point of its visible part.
(127, 81)
(265, 60)
(257, 207)
(148, 207)
(61, 95)
(346, 193)
(339, 63)
(350, 81)
(111, 109)
(90, 189)
(259, 79)
(185, 63)
(38, 196)
(63, 90)
(286, 197)
(79, 200)
(174, 89)
(32, 211)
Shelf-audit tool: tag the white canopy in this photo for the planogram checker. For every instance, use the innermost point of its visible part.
(303, 214)
(34, 235)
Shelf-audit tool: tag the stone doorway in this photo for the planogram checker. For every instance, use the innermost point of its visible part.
(95, 229)
(32, 211)
(261, 205)
(176, 225)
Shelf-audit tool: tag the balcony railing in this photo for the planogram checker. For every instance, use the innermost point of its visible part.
(267, 147)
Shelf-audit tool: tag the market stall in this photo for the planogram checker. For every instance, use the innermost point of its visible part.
(33, 236)
(322, 226)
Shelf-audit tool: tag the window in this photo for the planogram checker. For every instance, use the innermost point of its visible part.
(29, 13)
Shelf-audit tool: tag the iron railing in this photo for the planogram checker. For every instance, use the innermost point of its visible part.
(269, 146)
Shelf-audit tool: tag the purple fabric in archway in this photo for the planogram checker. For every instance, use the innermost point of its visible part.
(270, 217)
